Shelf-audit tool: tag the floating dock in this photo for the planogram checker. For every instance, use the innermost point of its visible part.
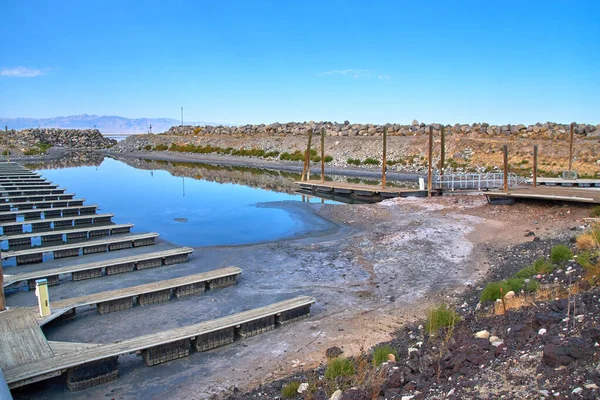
(316, 186)
(32, 212)
(583, 183)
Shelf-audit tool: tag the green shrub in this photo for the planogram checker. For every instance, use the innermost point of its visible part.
(160, 147)
(595, 212)
(32, 151)
(585, 259)
(560, 253)
(273, 154)
(526, 272)
(440, 317)
(515, 284)
(541, 266)
(371, 161)
(316, 159)
(148, 147)
(532, 286)
(339, 366)
(380, 354)
(328, 159)
(492, 291)
(290, 390)
(354, 161)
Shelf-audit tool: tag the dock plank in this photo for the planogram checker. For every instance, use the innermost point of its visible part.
(35, 221)
(557, 193)
(348, 188)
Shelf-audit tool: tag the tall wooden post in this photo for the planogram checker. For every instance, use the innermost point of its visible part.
(443, 150)
(505, 156)
(430, 162)
(384, 163)
(306, 168)
(322, 155)
(571, 149)
(535, 150)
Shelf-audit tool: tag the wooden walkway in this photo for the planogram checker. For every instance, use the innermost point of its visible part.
(567, 182)
(36, 197)
(108, 267)
(47, 224)
(359, 189)
(553, 193)
(37, 370)
(21, 339)
(54, 211)
(24, 192)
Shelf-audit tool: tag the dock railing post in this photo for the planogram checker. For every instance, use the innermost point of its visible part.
(384, 163)
(430, 163)
(322, 155)
(535, 161)
(571, 149)
(505, 157)
(306, 168)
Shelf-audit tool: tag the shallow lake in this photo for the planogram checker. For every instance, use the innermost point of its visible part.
(187, 211)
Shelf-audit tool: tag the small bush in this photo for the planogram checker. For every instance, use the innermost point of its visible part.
(380, 354)
(586, 241)
(339, 366)
(585, 259)
(515, 284)
(316, 159)
(371, 161)
(560, 253)
(542, 266)
(440, 317)
(492, 291)
(595, 212)
(161, 147)
(526, 272)
(328, 159)
(290, 390)
(532, 286)
(148, 147)
(354, 161)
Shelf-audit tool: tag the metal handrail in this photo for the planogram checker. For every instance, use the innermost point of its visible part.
(474, 181)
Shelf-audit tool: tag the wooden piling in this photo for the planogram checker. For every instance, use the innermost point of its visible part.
(442, 150)
(384, 164)
(505, 157)
(2, 298)
(535, 161)
(306, 169)
(430, 163)
(571, 149)
(322, 155)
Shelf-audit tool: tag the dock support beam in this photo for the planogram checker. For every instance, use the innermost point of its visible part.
(571, 149)
(535, 162)
(322, 155)
(306, 169)
(505, 160)
(384, 164)
(2, 298)
(429, 162)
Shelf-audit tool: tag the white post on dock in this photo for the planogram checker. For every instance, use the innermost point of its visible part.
(41, 291)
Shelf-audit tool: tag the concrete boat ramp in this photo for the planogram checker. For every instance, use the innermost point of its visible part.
(47, 234)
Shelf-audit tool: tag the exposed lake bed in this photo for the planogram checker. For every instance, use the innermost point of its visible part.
(370, 267)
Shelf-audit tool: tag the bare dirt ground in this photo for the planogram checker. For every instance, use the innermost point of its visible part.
(383, 266)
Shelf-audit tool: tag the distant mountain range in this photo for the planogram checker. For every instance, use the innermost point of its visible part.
(104, 123)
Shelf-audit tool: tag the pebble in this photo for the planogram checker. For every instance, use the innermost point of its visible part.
(542, 331)
(337, 395)
(302, 387)
(577, 390)
(591, 386)
(482, 335)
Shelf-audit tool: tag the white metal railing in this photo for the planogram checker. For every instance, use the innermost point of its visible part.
(474, 181)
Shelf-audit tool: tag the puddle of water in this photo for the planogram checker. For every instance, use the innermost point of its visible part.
(185, 211)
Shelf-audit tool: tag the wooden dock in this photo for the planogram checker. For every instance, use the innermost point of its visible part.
(101, 268)
(48, 224)
(29, 205)
(159, 347)
(359, 189)
(47, 212)
(36, 197)
(149, 293)
(552, 193)
(583, 183)
(118, 242)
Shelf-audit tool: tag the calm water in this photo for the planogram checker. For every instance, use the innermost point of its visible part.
(183, 210)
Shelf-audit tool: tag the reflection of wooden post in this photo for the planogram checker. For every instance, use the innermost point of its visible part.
(505, 156)
(430, 162)
(322, 155)
(443, 150)
(2, 300)
(384, 165)
(535, 148)
(571, 149)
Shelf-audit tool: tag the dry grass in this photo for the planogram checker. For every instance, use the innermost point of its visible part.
(586, 242)
(544, 293)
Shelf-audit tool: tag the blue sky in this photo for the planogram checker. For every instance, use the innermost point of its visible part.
(264, 61)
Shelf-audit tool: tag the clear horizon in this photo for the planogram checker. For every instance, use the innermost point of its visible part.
(269, 61)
